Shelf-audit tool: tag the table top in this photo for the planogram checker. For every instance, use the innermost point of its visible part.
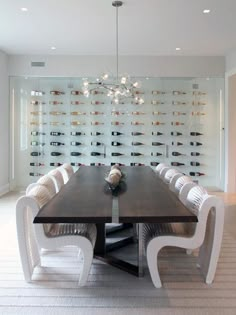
(141, 198)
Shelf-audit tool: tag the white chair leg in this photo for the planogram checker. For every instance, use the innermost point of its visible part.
(153, 249)
(87, 252)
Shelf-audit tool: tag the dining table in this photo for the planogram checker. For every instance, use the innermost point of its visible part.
(141, 197)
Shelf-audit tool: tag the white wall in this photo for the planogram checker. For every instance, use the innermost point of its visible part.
(230, 61)
(4, 124)
(79, 66)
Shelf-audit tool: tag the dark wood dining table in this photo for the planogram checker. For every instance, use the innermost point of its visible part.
(142, 197)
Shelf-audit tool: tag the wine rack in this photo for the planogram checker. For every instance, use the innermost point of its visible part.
(179, 124)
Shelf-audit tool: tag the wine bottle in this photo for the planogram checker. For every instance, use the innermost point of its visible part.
(196, 174)
(36, 164)
(154, 102)
(76, 93)
(37, 93)
(56, 123)
(96, 123)
(37, 133)
(178, 93)
(194, 103)
(137, 133)
(116, 154)
(156, 154)
(157, 143)
(116, 133)
(136, 123)
(137, 164)
(96, 133)
(96, 143)
(176, 164)
(35, 174)
(55, 164)
(77, 113)
(156, 92)
(57, 113)
(38, 113)
(177, 153)
(75, 153)
(76, 103)
(37, 103)
(194, 153)
(94, 92)
(176, 143)
(178, 113)
(176, 133)
(35, 123)
(193, 133)
(75, 164)
(115, 143)
(77, 133)
(177, 123)
(158, 113)
(198, 113)
(117, 113)
(195, 143)
(56, 92)
(55, 103)
(97, 164)
(35, 153)
(55, 133)
(156, 123)
(138, 113)
(136, 154)
(138, 92)
(157, 133)
(96, 103)
(56, 143)
(195, 164)
(136, 143)
(119, 164)
(154, 163)
(116, 123)
(96, 113)
(198, 93)
(36, 143)
(56, 153)
(77, 123)
(74, 143)
(96, 153)
(178, 103)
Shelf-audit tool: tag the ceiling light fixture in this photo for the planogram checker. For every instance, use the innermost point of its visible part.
(53, 48)
(177, 48)
(206, 11)
(117, 88)
(24, 9)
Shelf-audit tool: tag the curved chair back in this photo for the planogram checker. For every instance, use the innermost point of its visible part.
(57, 177)
(163, 172)
(169, 175)
(159, 167)
(66, 171)
(174, 180)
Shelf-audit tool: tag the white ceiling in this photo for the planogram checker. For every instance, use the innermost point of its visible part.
(146, 27)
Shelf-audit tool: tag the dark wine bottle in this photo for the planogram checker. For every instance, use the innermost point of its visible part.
(157, 143)
(55, 133)
(156, 154)
(176, 164)
(157, 133)
(97, 133)
(137, 143)
(136, 154)
(115, 143)
(177, 153)
(154, 163)
(119, 164)
(176, 143)
(37, 133)
(74, 143)
(96, 153)
(194, 153)
(56, 92)
(97, 164)
(195, 143)
(96, 143)
(116, 154)
(116, 133)
(35, 143)
(55, 164)
(55, 143)
(75, 164)
(56, 153)
(75, 153)
(137, 164)
(35, 174)
(196, 174)
(134, 133)
(77, 133)
(193, 133)
(36, 164)
(35, 153)
(195, 163)
(176, 133)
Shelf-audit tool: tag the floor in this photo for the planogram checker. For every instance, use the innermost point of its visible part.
(54, 288)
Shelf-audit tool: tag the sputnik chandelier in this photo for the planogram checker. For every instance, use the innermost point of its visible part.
(118, 88)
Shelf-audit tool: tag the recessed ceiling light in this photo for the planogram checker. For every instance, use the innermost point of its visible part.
(206, 11)
(24, 9)
(53, 48)
(147, 78)
(177, 48)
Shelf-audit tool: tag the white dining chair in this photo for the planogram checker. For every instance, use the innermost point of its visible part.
(207, 235)
(163, 172)
(34, 237)
(47, 182)
(178, 182)
(66, 171)
(170, 174)
(57, 177)
(159, 167)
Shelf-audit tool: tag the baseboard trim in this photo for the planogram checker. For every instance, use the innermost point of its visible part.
(4, 189)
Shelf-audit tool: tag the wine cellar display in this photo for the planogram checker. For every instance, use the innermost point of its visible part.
(178, 124)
